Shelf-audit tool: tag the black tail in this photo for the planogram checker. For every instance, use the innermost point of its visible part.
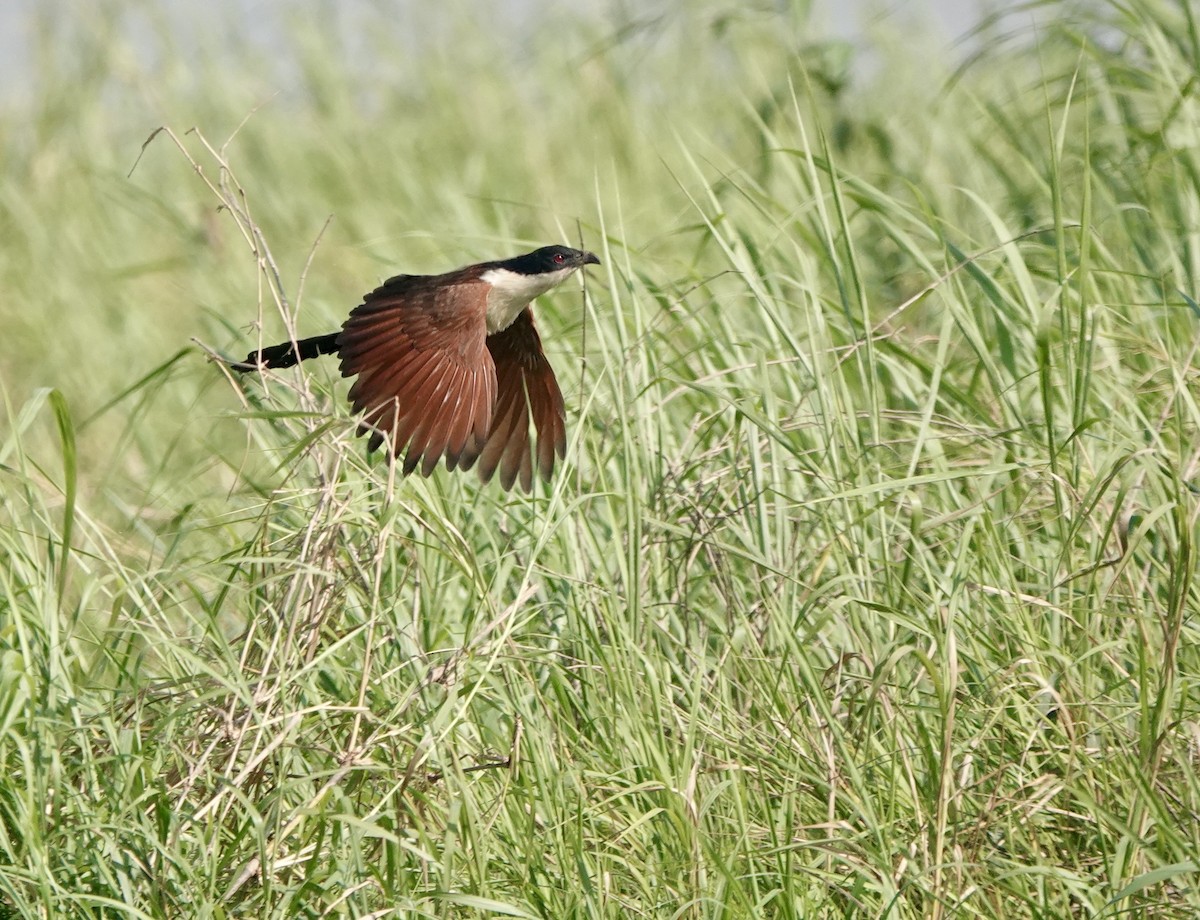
(284, 355)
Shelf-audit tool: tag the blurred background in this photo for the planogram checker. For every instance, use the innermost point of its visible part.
(266, 21)
(374, 138)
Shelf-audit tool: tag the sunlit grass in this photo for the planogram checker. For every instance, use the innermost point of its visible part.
(867, 588)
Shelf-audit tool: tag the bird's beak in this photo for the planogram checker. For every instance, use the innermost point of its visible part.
(589, 258)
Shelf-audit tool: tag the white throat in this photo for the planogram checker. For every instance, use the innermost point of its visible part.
(512, 292)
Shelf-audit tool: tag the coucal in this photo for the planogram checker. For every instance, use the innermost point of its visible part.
(452, 366)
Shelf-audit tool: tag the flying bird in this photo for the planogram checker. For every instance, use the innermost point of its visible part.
(452, 366)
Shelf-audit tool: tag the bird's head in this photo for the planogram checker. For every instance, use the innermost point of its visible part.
(516, 281)
(550, 260)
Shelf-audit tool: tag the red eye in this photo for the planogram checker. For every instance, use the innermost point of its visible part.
(559, 258)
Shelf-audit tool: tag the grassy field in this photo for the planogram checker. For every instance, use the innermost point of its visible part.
(868, 588)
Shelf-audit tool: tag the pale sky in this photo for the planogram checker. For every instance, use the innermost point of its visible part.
(843, 18)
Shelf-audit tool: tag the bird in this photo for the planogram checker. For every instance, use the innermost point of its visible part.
(451, 366)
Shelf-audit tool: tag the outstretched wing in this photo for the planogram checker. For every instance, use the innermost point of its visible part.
(525, 385)
(426, 381)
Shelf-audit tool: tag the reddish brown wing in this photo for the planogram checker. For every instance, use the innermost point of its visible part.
(426, 381)
(525, 384)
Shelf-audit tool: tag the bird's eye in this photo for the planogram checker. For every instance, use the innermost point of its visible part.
(559, 258)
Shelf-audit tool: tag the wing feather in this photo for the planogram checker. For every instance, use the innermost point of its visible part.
(426, 380)
(525, 387)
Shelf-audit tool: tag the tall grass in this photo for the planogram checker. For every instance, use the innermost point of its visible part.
(867, 589)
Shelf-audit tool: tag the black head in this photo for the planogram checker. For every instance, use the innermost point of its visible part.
(549, 259)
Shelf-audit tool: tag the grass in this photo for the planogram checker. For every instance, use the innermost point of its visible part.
(867, 588)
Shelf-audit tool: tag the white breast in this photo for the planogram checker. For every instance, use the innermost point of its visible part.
(512, 292)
